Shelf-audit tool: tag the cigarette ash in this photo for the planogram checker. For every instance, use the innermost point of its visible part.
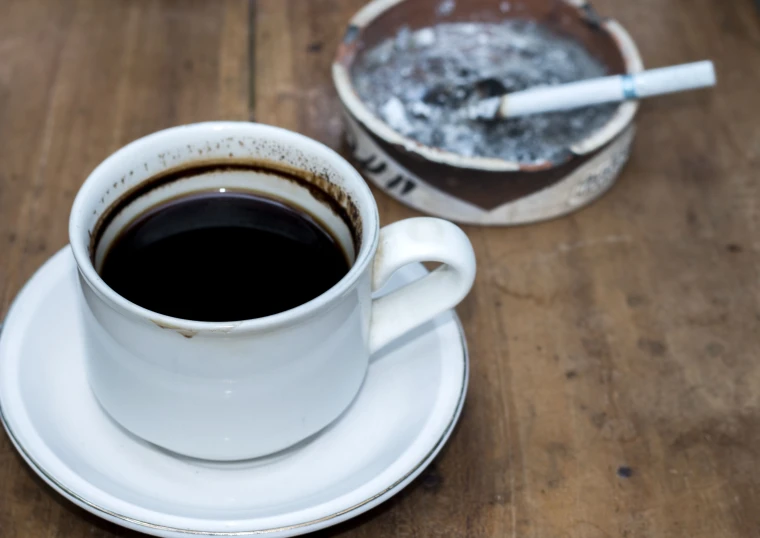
(421, 83)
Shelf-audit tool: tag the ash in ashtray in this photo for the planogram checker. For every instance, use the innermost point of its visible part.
(420, 83)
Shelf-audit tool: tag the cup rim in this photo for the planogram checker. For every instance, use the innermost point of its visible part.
(369, 232)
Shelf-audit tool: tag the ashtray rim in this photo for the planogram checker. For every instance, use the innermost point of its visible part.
(344, 57)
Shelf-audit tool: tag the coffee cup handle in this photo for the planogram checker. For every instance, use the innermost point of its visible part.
(422, 239)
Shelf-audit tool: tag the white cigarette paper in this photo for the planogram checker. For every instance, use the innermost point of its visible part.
(603, 90)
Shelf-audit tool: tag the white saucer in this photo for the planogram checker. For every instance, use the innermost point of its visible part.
(406, 410)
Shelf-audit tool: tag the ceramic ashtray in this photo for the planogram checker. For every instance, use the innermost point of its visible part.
(406, 69)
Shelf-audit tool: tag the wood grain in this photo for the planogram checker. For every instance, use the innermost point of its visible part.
(614, 373)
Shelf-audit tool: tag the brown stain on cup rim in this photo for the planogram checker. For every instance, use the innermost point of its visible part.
(320, 187)
(187, 333)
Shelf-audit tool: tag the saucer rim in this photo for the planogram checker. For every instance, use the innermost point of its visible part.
(305, 526)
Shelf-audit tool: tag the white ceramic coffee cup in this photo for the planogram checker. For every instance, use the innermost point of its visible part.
(243, 389)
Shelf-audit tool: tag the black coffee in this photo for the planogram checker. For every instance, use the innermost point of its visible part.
(223, 257)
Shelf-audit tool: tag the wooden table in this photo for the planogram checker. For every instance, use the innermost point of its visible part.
(615, 386)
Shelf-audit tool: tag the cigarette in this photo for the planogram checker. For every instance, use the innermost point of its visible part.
(594, 91)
